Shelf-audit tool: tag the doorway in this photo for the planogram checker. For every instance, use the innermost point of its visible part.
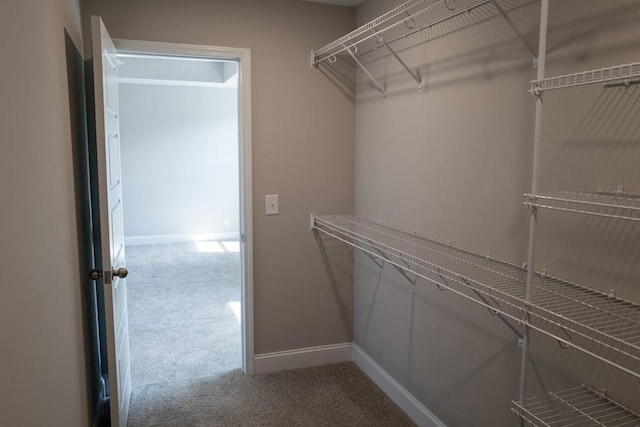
(186, 163)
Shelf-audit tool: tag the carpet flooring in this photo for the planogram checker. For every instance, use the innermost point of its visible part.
(186, 354)
(330, 395)
(181, 320)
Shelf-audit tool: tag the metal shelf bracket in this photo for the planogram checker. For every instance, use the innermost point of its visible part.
(416, 76)
(496, 313)
(516, 30)
(352, 53)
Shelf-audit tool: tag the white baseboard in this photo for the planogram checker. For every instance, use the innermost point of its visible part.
(301, 358)
(405, 400)
(179, 238)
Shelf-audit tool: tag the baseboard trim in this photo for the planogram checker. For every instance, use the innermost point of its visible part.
(302, 358)
(178, 238)
(396, 392)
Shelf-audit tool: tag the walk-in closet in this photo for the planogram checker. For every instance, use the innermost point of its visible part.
(495, 223)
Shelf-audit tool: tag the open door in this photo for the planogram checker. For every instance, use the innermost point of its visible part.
(110, 253)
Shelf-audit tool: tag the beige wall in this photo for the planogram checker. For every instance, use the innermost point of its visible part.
(453, 162)
(42, 362)
(303, 146)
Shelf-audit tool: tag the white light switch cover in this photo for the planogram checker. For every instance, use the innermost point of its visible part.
(272, 205)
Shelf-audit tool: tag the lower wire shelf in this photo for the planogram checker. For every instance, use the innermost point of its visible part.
(599, 324)
(578, 406)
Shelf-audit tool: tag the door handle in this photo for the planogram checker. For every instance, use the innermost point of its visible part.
(97, 274)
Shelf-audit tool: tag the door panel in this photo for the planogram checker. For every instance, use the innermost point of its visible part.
(111, 227)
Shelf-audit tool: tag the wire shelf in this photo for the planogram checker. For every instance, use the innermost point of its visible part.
(602, 75)
(393, 18)
(404, 19)
(602, 325)
(578, 406)
(618, 205)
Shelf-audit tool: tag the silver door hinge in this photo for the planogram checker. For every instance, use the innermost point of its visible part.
(242, 236)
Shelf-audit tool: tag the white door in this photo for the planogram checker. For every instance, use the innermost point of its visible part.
(105, 85)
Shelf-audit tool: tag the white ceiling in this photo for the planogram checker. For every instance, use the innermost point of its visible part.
(352, 3)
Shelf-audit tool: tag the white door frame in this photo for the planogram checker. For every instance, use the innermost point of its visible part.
(243, 56)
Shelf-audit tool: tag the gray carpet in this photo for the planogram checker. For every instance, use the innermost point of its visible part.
(331, 395)
(186, 354)
(181, 325)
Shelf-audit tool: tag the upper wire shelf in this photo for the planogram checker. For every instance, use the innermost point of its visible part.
(597, 323)
(407, 19)
(404, 14)
(618, 204)
(617, 73)
(578, 406)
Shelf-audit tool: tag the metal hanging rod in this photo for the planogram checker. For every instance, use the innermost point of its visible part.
(617, 205)
(578, 406)
(603, 75)
(597, 323)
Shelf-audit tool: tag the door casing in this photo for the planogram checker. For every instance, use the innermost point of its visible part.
(243, 57)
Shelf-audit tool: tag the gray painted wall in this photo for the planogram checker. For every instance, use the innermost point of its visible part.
(42, 361)
(453, 162)
(303, 148)
(180, 166)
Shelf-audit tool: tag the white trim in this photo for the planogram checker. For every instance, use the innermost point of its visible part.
(243, 56)
(229, 84)
(405, 400)
(162, 239)
(302, 358)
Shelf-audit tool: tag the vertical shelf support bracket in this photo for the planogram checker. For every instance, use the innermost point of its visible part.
(373, 79)
(413, 74)
(516, 30)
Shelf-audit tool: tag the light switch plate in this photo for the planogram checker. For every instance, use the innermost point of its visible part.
(272, 206)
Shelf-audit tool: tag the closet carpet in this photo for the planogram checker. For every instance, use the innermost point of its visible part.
(186, 353)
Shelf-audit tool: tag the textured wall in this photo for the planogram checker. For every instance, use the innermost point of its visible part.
(303, 147)
(42, 361)
(453, 162)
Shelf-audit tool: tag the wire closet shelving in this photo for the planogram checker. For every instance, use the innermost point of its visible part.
(578, 406)
(597, 323)
(409, 18)
(594, 322)
(618, 205)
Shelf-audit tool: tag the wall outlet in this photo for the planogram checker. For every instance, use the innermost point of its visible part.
(272, 206)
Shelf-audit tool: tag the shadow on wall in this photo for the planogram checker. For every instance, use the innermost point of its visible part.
(338, 263)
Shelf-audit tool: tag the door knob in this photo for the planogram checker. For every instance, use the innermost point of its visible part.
(121, 272)
(97, 274)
